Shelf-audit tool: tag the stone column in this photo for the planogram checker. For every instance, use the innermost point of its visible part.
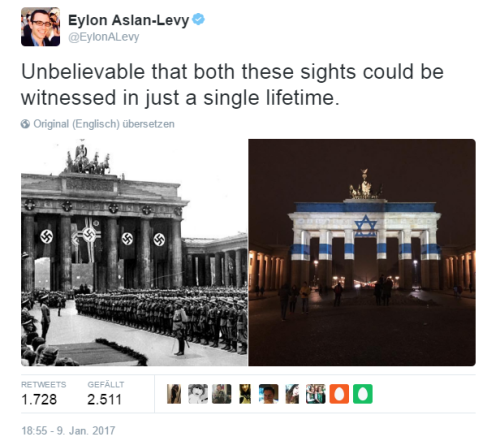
(201, 270)
(218, 269)
(112, 254)
(227, 278)
(461, 270)
(169, 280)
(325, 258)
(276, 272)
(66, 283)
(269, 272)
(448, 273)
(253, 276)
(28, 246)
(144, 256)
(455, 270)
(434, 257)
(239, 273)
(283, 273)
(405, 262)
(424, 259)
(300, 257)
(274, 279)
(262, 270)
(189, 270)
(467, 271)
(382, 252)
(473, 275)
(349, 259)
(176, 253)
(208, 270)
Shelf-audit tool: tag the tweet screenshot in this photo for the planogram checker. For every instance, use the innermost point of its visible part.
(226, 205)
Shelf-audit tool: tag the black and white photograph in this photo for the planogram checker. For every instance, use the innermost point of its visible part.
(198, 394)
(127, 260)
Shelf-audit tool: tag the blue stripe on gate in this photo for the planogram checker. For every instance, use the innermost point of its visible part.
(298, 248)
(405, 248)
(325, 248)
(349, 248)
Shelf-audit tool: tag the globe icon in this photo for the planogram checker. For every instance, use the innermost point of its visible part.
(25, 123)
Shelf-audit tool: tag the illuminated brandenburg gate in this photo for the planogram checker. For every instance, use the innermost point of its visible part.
(366, 215)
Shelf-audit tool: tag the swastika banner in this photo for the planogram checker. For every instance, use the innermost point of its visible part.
(159, 235)
(90, 235)
(46, 236)
(127, 238)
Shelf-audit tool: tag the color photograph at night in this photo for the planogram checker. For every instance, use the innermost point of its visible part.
(362, 252)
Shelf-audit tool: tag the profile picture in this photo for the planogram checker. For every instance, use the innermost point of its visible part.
(245, 394)
(315, 394)
(292, 393)
(198, 393)
(221, 394)
(40, 27)
(173, 393)
(268, 393)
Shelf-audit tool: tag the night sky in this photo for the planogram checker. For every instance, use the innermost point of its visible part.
(282, 172)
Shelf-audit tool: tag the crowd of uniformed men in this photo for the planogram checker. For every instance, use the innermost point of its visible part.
(208, 316)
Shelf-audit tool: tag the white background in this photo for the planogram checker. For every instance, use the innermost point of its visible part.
(460, 37)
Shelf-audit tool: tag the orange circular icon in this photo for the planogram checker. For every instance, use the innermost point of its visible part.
(339, 393)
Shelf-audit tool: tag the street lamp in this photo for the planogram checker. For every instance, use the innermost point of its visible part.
(315, 272)
(397, 282)
(415, 263)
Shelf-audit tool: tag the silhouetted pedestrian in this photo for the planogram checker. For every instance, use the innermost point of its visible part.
(305, 292)
(386, 291)
(338, 294)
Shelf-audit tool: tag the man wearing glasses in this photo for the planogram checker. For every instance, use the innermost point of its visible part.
(40, 26)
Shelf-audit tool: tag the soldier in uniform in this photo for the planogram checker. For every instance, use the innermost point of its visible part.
(242, 326)
(189, 321)
(180, 320)
(212, 322)
(202, 322)
(223, 323)
(171, 310)
(45, 316)
(231, 327)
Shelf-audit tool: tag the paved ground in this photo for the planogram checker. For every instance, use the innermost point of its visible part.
(417, 329)
(160, 349)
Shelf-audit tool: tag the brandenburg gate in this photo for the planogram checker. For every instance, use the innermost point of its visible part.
(102, 220)
(366, 215)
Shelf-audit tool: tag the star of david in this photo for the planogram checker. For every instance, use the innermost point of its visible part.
(371, 232)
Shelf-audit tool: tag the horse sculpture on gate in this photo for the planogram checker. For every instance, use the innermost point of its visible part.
(82, 164)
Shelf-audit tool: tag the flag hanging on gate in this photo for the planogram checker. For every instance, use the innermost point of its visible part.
(89, 236)
(127, 238)
(159, 235)
(46, 236)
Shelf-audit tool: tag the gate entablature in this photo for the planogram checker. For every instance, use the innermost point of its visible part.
(365, 215)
